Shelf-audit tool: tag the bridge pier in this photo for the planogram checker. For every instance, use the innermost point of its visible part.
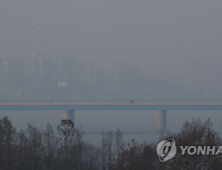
(161, 124)
(69, 115)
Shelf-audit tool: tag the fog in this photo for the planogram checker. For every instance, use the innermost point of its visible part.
(163, 48)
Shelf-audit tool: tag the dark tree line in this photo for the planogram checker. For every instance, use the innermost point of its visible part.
(35, 149)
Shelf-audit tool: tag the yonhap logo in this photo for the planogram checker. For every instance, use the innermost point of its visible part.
(166, 150)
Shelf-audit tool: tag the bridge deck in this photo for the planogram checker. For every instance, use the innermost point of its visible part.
(109, 106)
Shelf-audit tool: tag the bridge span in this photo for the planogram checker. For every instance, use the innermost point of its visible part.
(110, 106)
(70, 108)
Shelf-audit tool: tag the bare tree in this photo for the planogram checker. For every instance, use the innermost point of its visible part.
(108, 150)
(119, 143)
(49, 142)
(23, 148)
(7, 140)
(35, 145)
(195, 133)
(72, 145)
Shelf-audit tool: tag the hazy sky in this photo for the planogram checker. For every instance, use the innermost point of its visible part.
(167, 38)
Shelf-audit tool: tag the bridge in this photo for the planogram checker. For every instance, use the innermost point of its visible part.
(111, 100)
(70, 108)
(110, 106)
